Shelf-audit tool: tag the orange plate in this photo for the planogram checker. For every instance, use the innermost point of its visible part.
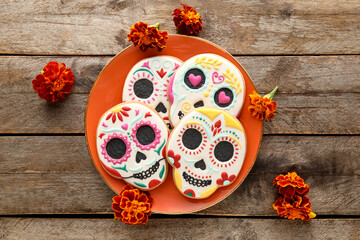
(107, 92)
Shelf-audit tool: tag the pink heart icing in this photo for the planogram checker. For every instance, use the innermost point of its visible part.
(223, 99)
(194, 80)
(124, 126)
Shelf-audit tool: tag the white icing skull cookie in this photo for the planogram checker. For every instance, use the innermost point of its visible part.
(148, 80)
(206, 80)
(206, 150)
(131, 141)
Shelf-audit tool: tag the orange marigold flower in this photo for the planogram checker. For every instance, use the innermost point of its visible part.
(262, 107)
(187, 20)
(54, 83)
(132, 206)
(291, 184)
(298, 207)
(146, 36)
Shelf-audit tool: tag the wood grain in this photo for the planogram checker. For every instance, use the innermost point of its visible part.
(242, 27)
(293, 74)
(170, 228)
(39, 168)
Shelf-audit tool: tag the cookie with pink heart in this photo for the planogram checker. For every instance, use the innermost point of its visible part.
(206, 80)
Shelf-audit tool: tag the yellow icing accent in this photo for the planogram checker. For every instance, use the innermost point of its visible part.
(177, 178)
(212, 85)
(206, 94)
(230, 121)
(186, 106)
(235, 140)
(208, 63)
(209, 89)
(188, 123)
(208, 192)
(234, 83)
(116, 109)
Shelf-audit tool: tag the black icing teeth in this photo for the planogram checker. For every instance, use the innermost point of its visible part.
(196, 182)
(148, 173)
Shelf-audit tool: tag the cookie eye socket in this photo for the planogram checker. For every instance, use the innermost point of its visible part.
(224, 151)
(143, 88)
(223, 97)
(145, 135)
(116, 148)
(194, 78)
(192, 138)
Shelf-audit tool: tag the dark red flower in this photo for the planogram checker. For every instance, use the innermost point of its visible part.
(174, 159)
(146, 36)
(132, 206)
(54, 83)
(225, 180)
(298, 207)
(187, 20)
(291, 184)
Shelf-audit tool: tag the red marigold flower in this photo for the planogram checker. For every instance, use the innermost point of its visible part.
(262, 107)
(187, 20)
(298, 207)
(291, 184)
(54, 83)
(146, 36)
(132, 206)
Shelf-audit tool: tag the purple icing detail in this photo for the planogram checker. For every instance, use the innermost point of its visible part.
(104, 125)
(137, 112)
(176, 66)
(220, 78)
(128, 148)
(170, 92)
(157, 135)
(146, 64)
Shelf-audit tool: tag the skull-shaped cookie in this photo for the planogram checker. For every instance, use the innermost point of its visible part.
(131, 141)
(148, 80)
(206, 150)
(206, 80)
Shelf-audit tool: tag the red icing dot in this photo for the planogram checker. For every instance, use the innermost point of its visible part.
(153, 183)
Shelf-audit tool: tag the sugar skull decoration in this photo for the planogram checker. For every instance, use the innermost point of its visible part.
(131, 141)
(206, 80)
(148, 80)
(206, 150)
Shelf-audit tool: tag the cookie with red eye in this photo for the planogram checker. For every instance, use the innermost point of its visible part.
(206, 80)
(206, 150)
(148, 80)
(131, 138)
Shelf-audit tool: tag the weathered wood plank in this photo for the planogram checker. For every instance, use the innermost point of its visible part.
(175, 228)
(241, 27)
(39, 168)
(296, 74)
(297, 114)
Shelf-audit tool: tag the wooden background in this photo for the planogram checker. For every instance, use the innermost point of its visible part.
(49, 188)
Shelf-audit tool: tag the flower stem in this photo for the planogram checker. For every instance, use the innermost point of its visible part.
(157, 25)
(271, 94)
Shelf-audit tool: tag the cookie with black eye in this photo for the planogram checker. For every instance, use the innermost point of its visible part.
(131, 140)
(148, 80)
(206, 150)
(206, 80)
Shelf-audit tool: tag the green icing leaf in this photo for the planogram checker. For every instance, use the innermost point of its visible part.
(140, 184)
(121, 168)
(162, 172)
(159, 149)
